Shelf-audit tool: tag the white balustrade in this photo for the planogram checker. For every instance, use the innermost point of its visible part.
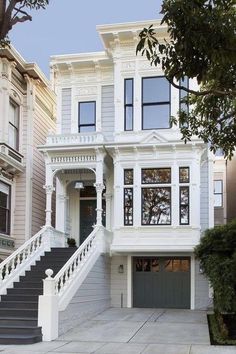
(20, 260)
(75, 139)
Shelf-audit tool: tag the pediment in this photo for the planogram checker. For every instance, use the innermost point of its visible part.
(153, 138)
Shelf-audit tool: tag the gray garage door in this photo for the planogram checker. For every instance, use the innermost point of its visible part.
(161, 282)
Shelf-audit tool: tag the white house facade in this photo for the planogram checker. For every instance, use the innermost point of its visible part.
(118, 162)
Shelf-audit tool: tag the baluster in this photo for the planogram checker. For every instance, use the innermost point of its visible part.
(13, 264)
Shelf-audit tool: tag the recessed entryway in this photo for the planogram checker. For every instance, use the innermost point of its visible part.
(161, 282)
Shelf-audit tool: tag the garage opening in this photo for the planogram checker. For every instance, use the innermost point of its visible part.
(161, 282)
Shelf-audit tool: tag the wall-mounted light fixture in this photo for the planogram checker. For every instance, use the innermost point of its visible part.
(79, 185)
(121, 268)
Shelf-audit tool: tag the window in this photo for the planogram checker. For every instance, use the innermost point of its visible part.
(218, 193)
(128, 197)
(184, 175)
(87, 116)
(128, 104)
(13, 127)
(156, 199)
(155, 103)
(5, 208)
(184, 205)
(177, 265)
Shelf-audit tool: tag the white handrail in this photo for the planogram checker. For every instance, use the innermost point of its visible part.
(20, 256)
(67, 272)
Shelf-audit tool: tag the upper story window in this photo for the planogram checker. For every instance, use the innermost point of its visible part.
(183, 106)
(5, 190)
(218, 193)
(87, 116)
(155, 103)
(156, 198)
(128, 104)
(128, 196)
(184, 197)
(13, 127)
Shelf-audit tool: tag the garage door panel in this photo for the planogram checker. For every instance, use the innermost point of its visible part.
(161, 282)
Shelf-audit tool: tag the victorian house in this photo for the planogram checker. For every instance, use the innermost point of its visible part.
(118, 162)
(27, 115)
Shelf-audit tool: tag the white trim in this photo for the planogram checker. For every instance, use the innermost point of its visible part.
(129, 282)
(192, 286)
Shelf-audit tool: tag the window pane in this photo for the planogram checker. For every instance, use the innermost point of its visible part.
(218, 200)
(185, 265)
(139, 265)
(218, 186)
(128, 206)
(129, 91)
(147, 265)
(184, 196)
(156, 206)
(87, 113)
(3, 220)
(128, 176)
(156, 175)
(3, 200)
(155, 265)
(128, 118)
(14, 114)
(156, 116)
(87, 128)
(156, 89)
(184, 174)
(168, 265)
(184, 215)
(12, 136)
(176, 265)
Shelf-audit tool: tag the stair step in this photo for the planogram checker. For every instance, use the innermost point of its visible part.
(14, 329)
(27, 291)
(18, 312)
(28, 284)
(20, 339)
(16, 321)
(19, 305)
(20, 297)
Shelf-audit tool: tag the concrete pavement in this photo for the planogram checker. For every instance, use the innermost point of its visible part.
(133, 331)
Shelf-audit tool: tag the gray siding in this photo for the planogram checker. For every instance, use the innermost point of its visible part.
(202, 300)
(204, 197)
(66, 111)
(92, 298)
(108, 112)
(118, 282)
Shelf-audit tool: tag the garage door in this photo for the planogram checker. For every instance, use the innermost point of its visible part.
(161, 282)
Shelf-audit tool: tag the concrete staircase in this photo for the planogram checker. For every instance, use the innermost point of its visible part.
(19, 307)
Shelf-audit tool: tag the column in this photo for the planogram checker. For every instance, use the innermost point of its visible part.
(61, 203)
(49, 190)
(108, 197)
(99, 188)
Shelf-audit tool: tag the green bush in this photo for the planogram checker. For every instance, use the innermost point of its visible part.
(217, 255)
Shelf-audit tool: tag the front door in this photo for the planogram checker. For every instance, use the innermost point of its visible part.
(87, 218)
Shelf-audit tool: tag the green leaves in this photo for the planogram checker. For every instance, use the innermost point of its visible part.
(217, 255)
(201, 45)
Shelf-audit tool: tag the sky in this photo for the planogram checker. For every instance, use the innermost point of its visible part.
(69, 26)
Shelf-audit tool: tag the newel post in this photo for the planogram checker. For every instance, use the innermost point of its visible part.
(48, 309)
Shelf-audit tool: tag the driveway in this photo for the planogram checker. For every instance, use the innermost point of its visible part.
(133, 331)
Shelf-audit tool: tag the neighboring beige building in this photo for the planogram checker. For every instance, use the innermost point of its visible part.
(224, 189)
(27, 115)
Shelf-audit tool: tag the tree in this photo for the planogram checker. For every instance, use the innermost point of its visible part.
(201, 45)
(16, 11)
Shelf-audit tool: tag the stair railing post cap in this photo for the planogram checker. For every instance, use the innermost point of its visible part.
(49, 273)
